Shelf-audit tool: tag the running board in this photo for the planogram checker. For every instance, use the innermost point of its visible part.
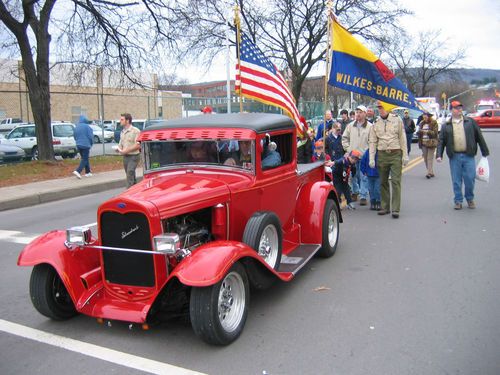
(298, 258)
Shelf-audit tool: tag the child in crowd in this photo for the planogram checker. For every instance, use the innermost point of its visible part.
(341, 170)
(373, 180)
(319, 152)
(334, 142)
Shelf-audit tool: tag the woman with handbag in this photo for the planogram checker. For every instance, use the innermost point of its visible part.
(428, 141)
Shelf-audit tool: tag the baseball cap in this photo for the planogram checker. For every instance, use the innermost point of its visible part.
(361, 108)
(406, 111)
(355, 154)
(318, 144)
(456, 103)
(428, 113)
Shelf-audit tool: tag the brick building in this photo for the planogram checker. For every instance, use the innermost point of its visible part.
(90, 96)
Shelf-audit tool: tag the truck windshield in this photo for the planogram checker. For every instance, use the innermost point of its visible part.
(223, 152)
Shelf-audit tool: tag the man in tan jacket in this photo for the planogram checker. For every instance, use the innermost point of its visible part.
(388, 138)
(355, 137)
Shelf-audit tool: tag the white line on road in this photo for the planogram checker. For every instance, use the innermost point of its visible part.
(91, 350)
(16, 237)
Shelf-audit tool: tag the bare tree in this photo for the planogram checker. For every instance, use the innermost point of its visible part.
(293, 32)
(423, 61)
(125, 35)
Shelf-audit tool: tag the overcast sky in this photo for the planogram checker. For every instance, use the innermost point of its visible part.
(473, 24)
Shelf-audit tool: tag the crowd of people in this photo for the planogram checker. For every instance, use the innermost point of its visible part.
(365, 155)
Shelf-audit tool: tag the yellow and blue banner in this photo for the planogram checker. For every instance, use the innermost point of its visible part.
(355, 68)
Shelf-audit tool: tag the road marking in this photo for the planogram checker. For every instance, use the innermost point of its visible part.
(95, 351)
(16, 237)
(413, 164)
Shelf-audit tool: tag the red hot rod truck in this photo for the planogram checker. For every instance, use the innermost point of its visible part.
(223, 206)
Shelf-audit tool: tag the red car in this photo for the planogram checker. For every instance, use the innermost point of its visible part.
(223, 206)
(488, 118)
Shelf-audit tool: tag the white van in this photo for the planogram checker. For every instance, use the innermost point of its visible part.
(24, 136)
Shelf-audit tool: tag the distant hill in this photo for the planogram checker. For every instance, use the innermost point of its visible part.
(468, 75)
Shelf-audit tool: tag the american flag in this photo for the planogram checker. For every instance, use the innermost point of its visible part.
(258, 78)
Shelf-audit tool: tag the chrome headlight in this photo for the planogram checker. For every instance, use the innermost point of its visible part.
(167, 243)
(78, 236)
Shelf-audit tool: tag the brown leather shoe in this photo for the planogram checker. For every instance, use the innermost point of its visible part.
(354, 197)
(382, 212)
(458, 206)
(471, 204)
(363, 202)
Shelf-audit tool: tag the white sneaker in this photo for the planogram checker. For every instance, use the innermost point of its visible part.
(88, 174)
(78, 175)
(350, 206)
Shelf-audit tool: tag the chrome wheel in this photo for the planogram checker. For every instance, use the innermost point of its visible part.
(269, 245)
(232, 302)
(332, 228)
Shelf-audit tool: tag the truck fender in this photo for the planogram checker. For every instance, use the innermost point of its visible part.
(49, 248)
(309, 210)
(209, 263)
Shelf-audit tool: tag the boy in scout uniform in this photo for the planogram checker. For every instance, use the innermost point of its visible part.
(388, 137)
(129, 148)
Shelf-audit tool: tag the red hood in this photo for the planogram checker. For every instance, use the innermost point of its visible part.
(176, 192)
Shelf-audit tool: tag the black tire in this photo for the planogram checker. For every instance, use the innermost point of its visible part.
(218, 312)
(96, 139)
(68, 156)
(49, 295)
(254, 231)
(34, 153)
(260, 278)
(330, 230)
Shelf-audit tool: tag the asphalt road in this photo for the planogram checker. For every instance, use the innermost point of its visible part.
(417, 295)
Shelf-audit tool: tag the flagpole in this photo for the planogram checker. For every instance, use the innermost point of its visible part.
(329, 5)
(228, 71)
(238, 41)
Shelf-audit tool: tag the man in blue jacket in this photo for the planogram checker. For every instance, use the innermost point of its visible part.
(84, 138)
(460, 136)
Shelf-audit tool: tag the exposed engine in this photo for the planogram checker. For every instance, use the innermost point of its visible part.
(192, 228)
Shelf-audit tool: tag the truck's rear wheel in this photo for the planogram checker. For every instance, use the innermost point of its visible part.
(330, 229)
(49, 295)
(218, 312)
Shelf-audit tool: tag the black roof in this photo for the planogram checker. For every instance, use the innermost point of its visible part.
(260, 122)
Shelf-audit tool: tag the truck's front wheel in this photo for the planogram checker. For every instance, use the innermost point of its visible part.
(49, 295)
(219, 312)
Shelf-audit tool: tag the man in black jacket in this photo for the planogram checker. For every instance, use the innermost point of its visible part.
(460, 136)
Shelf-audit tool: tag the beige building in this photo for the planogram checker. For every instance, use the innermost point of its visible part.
(91, 96)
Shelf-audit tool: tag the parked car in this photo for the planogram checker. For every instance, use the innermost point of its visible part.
(98, 134)
(9, 153)
(7, 124)
(207, 221)
(24, 136)
(110, 124)
(139, 124)
(489, 118)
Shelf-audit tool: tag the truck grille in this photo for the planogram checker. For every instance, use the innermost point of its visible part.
(131, 231)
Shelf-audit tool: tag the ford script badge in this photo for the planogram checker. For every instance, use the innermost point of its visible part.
(122, 205)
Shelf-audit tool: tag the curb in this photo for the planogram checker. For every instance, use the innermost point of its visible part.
(59, 194)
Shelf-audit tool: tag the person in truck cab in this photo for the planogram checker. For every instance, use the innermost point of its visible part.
(201, 152)
(242, 157)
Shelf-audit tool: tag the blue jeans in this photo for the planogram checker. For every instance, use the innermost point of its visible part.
(359, 182)
(374, 188)
(409, 138)
(463, 170)
(84, 162)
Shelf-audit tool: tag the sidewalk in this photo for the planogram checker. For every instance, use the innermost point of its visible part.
(52, 190)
